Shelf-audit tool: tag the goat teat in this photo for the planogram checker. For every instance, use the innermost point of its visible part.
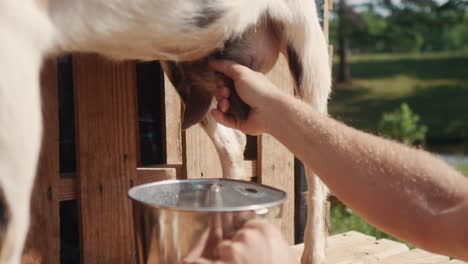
(258, 48)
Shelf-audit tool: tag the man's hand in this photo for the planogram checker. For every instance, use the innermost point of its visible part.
(253, 88)
(258, 242)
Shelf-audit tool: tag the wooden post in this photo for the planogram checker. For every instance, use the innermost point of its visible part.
(201, 159)
(275, 162)
(326, 17)
(328, 6)
(105, 101)
(43, 244)
(172, 124)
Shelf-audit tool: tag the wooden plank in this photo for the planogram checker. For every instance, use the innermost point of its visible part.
(106, 120)
(348, 239)
(69, 189)
(331, 54)
(453, 261)
(147, 175)
(340, 242)
(354, 247)
(275, 162)
(416, 256)
(250, 169)
(361, 251)
(172, 124)
(326, 18)
(43, 242)
(365, 253)
(201, 159)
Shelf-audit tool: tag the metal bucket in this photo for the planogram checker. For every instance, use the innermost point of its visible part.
(173, 219)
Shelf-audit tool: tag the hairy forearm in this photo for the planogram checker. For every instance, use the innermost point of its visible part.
(404, 191)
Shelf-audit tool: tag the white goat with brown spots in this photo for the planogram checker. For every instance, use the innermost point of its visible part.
(182, 34)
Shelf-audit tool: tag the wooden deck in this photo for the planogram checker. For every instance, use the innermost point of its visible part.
(354, 247)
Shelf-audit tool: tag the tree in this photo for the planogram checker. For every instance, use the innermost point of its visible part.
(344, 74)
(422, 25)
(347, 19)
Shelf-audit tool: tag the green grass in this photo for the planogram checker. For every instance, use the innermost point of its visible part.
(344, 219)
(463, 168)
(435, 86)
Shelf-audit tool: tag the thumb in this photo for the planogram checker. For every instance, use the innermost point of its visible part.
(229, 68)
(224, 119)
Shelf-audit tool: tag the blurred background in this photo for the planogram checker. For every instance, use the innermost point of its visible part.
(401, 71)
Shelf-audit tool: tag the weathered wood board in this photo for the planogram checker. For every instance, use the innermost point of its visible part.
(105, 103)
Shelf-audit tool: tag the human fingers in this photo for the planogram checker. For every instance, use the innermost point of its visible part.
(246, 235)
(222, 92)
(228, 227)
(242, 217)
(259, 224)
(255, 223)
(224, 105)
(202, 261)
(224, 119)
(229, 68)
(220, 83)
(230, 252)
(197, 251)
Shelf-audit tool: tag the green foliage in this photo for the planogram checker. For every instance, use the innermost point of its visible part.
(434, 85)
(463, 168)
(457, 37)
(343, 219)
(402, 125)
(411, 26)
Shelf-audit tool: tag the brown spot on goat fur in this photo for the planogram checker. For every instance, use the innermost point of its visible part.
(5, 216)
(295, 67)
(207, 15)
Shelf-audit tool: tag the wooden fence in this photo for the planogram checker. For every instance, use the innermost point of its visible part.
(117, 125)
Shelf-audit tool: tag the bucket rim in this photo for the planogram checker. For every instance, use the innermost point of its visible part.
(279, 202)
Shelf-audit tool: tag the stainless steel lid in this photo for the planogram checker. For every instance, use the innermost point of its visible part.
(207, 195)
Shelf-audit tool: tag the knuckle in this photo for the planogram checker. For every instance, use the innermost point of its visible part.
(269, 228)
(235, 249)
(240, 70)
(242, 235)
(262, 226)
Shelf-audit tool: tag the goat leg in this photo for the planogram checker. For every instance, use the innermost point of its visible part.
(229, 144)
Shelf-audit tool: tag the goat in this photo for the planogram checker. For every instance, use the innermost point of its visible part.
(182, 34)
